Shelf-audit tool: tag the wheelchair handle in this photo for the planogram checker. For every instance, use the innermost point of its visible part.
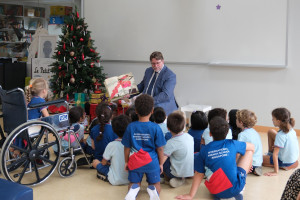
(48, 103)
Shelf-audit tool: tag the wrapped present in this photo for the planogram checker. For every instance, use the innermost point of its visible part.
(80, 99)
(93, 111)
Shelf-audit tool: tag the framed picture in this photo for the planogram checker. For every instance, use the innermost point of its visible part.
(47, 45)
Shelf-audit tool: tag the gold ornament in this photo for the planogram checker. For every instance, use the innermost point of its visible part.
(94, 79)
(72, 53)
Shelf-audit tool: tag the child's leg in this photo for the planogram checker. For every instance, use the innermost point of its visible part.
(102, 169)
(271, 139)
(245, 161)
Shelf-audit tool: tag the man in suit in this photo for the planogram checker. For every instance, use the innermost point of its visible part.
(159, 82)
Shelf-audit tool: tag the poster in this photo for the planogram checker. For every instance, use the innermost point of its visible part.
(118, 86)
(40, 67)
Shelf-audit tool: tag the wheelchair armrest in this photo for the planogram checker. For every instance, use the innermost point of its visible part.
(47, 103)
(13, 90)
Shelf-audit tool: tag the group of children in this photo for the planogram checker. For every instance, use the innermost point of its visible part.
(126, 147)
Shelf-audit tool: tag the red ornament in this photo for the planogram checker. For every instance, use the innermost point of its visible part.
(72, 27)
(77, 14)
(58, 53)
(54, 91)
(75, 57)
(92, 50)
(98, 61)
(67, 97)
(82, 56)
(74, 36)
(59, 67)
(64, 47)
(92, 65)
(81, 39)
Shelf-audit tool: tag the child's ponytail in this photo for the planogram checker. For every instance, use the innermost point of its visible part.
(104, 113)
(284, 116)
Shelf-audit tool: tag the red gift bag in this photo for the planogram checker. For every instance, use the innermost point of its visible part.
(139, 159)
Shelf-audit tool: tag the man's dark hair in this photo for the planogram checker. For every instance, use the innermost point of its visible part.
(219, 128)
(159, 115)
(144, 105)
(175, 123)
(75, 114)
(119, 124)
(221, 112)
(157, 55)
(199, 120)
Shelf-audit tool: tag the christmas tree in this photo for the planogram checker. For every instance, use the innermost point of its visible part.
(77, 67)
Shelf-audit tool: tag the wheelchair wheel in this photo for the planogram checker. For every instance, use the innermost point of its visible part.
(66, 167)
(27, 156)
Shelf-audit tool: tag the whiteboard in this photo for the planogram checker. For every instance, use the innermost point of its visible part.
(241, 32)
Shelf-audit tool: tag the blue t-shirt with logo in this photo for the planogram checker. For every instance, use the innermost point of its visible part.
(108, 136)
(197, 135)
(37, 112)
(221, 155)
(148, 136)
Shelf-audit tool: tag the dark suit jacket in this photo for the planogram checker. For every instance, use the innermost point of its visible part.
(163, 92)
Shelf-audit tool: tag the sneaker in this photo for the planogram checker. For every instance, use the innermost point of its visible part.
(152, 192)
(102, 177)
(133, 192)
(257, 171)
(176, 182)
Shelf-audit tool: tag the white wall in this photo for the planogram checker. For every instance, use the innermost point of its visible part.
(258, 89)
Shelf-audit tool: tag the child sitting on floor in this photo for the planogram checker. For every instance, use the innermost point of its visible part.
(113, 171)
(178, 152)
(228, 178)
(246, 119)
(283, 145)
(159, 118)
(198, 125)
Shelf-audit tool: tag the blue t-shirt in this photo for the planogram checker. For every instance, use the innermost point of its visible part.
(35, 113)
(148, 136)
(108, 136)
(221, 155)
(168, 136)
(197, 135)
(288, 144)
(250, 135)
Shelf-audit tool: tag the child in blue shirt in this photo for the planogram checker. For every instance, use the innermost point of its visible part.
(38, 91)
(228, 178)
(111, 168)
(145, 140)
(207, 138)
(159, 118)
(102, 133)
(199, 123)
(283, 145)
(178, 152)
(246, 119)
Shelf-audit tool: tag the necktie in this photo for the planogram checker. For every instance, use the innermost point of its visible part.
(150, 87)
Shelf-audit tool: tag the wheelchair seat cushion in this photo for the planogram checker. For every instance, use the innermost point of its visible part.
(14, 191)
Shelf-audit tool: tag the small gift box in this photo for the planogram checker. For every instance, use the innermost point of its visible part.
(80, 99)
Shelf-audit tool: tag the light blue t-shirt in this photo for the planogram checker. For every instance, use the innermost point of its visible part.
(207, 138)
(250, 135)
(163, 127)
(288, 144)
(180, 149)
(114, 152)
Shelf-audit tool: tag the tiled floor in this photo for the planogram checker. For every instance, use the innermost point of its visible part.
(84, 185)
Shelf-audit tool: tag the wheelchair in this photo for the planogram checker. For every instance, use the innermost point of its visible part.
(27, 156)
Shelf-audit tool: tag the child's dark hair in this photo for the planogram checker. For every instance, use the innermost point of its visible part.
(284, 116)
(75, 114)
(175, 123)
(104, 113)
(130, 112)
(144, 105)
(221, 112)
(119, 124)
(199, 120)
(219, 128)
(159, 115)
(232, 123)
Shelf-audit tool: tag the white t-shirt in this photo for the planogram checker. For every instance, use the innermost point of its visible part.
(180, 149)
(207, 138)
(288, 144)
(114, 152)
(250, 135)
